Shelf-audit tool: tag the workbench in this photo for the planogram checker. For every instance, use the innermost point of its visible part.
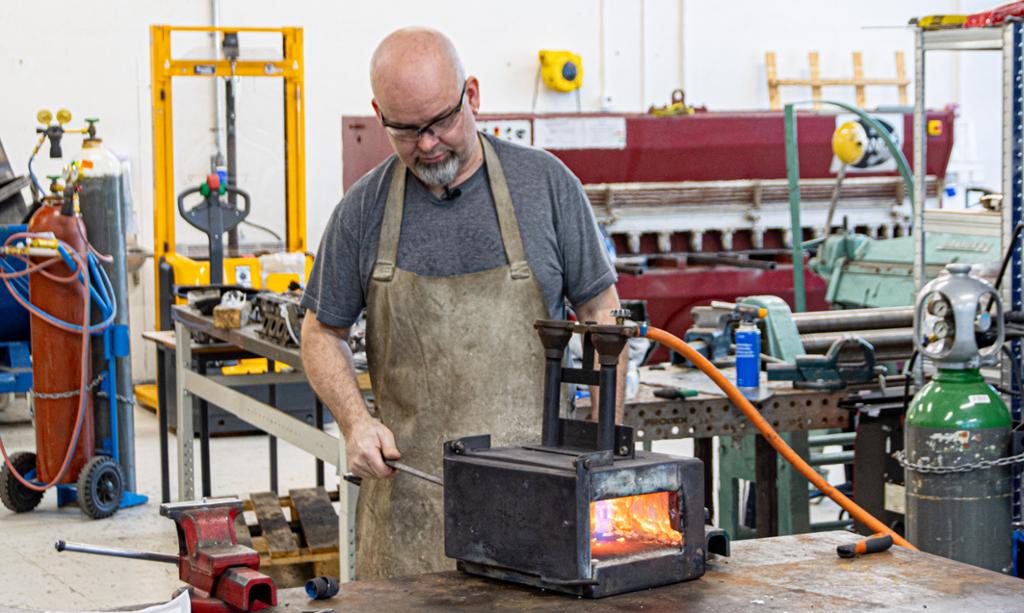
(215, 389)
(787, 573)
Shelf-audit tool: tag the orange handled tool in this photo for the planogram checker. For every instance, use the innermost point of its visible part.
(872, 544)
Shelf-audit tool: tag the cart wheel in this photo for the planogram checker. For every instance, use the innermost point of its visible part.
(14, 495)
(100, 487)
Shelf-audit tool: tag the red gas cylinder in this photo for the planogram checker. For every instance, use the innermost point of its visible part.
(57, 355)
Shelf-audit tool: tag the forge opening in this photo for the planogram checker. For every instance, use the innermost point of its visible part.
(634, 524)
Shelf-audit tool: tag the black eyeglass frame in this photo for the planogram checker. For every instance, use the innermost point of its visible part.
(427, 127)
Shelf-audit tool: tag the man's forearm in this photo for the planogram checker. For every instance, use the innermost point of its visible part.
(327, 362)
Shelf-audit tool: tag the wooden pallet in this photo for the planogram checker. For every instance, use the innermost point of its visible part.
(295, 535)
(816, 82)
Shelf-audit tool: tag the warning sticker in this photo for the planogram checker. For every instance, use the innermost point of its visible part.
(979, 399)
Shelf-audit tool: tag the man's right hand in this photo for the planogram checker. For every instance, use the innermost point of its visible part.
(367, 444)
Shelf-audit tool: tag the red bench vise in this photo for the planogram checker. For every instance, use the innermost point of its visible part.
(224, 576)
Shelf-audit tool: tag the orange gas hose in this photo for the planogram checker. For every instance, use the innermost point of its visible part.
(769, 433)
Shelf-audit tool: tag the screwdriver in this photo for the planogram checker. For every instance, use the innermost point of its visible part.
(672, 393)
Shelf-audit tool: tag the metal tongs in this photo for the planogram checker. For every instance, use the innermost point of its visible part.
(395, 464)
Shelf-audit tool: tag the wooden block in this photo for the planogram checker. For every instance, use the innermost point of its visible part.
(242, 530)
(317, 517)
(227, 317)
(279, 537)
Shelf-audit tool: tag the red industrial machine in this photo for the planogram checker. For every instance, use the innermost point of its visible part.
(697, 205)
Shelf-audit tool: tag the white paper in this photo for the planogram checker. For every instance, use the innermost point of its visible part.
(181, 604)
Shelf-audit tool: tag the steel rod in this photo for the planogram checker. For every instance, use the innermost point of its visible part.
(854, 319)
(793, 182)
(606, 408)
(150, 556)
(550, 426)
(891, 338)
(415, 472)
(839, 438)
(831, 459)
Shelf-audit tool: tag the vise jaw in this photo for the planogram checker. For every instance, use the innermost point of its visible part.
(211, 560)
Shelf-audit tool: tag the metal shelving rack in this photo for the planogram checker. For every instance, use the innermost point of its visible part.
(1008, 41)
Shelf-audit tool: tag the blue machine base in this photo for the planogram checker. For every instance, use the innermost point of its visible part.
(68, 494)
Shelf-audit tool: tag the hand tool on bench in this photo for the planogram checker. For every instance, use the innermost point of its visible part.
(872, 544)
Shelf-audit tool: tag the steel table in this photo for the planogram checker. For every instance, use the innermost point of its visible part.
(279, 425)
(787, 573)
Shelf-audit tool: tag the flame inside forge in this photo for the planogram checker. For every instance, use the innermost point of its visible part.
(623, 526)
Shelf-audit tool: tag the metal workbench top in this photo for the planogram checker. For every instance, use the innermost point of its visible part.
(787, 573)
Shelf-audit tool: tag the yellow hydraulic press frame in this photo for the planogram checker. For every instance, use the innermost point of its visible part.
(164, 68)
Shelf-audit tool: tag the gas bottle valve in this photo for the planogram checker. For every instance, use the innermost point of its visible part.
(958, 322)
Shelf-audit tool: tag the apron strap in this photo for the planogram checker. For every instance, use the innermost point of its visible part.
(391, 226)
(513, 242)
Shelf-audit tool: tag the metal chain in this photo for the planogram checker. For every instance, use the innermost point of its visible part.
(125, 399)
(70, 394)
(901, 457)
(130, 400)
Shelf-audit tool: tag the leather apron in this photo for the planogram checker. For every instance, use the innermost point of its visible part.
(449, 357)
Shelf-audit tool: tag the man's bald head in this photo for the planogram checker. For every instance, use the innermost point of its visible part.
(415, 69)
(417, 78)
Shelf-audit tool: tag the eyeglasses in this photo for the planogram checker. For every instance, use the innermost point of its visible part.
(435, 127)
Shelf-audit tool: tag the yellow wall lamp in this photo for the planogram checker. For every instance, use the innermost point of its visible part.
(561, 71)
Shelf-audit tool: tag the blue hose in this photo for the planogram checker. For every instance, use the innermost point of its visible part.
(99, 292)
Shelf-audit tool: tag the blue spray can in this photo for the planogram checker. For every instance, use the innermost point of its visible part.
(748, 357)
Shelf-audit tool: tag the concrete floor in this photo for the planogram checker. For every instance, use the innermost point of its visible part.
(35, 576)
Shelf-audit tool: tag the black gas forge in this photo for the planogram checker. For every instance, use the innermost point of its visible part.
(582, 512)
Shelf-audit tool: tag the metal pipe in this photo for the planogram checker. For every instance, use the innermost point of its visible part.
(218, 98)
(550, 425)
(793, 181)
(886, 339)
(415, 472)
(232, 162)
(839, 438)
(149, 556)
(854, 319)
(830, 459)
(606, 408)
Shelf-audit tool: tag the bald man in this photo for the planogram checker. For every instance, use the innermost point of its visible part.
(454, 245)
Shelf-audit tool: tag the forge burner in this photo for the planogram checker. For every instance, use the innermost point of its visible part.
(583, 512)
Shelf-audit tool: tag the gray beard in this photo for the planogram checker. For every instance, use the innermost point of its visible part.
(440, 174)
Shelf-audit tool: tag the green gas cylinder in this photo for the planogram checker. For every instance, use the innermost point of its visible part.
(957, 420)
(957, 506)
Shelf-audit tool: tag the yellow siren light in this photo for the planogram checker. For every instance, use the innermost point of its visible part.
(849, 142)
(562, 71)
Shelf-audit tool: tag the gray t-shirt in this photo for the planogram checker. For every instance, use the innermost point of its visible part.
(563, 245)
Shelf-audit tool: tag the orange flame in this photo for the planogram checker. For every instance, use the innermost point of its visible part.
(631, 523)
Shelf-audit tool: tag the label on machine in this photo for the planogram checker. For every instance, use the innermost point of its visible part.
(580, 133)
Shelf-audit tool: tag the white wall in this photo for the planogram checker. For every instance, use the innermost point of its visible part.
(94, 60)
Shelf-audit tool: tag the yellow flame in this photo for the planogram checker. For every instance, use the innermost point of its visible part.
(633, 518)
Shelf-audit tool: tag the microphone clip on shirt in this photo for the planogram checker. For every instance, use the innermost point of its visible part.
(451, 194)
